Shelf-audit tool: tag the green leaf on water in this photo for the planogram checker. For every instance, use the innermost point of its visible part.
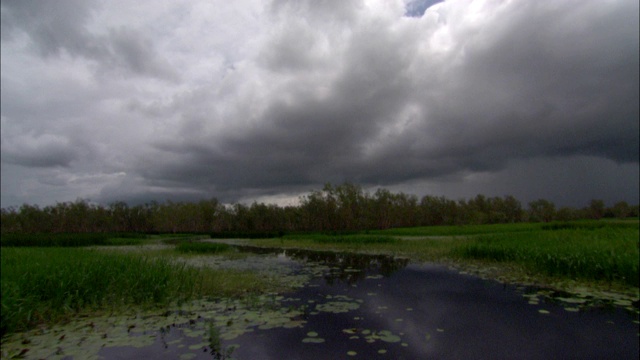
(352, 353)
(313, 340)
(543, 311)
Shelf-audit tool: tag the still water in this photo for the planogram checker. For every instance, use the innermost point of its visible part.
(369, 307)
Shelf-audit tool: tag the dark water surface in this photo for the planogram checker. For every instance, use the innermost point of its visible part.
(369, 307)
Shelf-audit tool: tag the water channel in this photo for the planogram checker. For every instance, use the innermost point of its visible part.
(350, 306)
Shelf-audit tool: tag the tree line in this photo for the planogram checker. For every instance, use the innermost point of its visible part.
(345, 207)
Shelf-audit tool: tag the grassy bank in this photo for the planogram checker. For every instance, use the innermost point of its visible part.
(51, 284)
(190, 247)
(601, 254)
(48, 285)
(354, 239)
(71, 239)
(591, 253)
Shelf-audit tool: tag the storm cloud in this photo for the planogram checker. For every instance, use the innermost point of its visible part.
(241, 100)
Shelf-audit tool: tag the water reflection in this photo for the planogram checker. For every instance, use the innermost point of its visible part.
(346, 267)
(396, 310)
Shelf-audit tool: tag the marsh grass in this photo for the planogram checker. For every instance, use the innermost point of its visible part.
(202, 247)
(45, 284)
(70, 239)
(459, 230)
(588, 251)
(48, 285)
(597, 253)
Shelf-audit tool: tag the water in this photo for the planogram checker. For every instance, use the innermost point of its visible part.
(366, 307)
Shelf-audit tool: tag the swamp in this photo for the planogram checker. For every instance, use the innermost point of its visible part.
(526, 291)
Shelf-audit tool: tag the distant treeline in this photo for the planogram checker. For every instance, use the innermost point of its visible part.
(341, 208)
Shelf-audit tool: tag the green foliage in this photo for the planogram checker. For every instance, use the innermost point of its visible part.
(247, 234)
(599, 253)
(593, 250)
(202, 247)
(47, 285)
(345, 207)
(590, 225)
(459, 230)
(69, 239)
(352, 239)
(41, 284)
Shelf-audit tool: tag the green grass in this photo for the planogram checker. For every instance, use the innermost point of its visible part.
(357, 239)
(597, 253)
(45, 285)
(458, 230)
(70, 239)
(592, 252)
(48, 285)
(202, 247)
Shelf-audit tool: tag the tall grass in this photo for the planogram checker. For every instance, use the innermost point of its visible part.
(458, 230)
(41, 284)
(70, 239)
(597, 253)
(202, 247)
(47, 285)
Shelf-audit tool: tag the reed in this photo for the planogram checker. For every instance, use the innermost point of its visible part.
(48, 285)
(597, 253)
(70, 239)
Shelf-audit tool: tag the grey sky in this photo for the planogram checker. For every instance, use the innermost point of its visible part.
(244, 100)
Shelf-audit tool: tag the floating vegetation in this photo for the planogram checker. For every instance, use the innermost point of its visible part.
(338, 306)
(207, 322)
(312, 337)
(583, 299)
(371, 336)
(218, 325)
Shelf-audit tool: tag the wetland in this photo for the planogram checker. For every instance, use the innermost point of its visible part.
(396, 296)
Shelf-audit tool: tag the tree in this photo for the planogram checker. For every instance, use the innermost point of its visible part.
(621, 210)
(596, 209)
(541, 210)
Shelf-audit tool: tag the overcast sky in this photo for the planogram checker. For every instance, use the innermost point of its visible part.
(258, 100)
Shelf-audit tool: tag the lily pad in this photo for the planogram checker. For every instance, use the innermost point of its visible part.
(313, 340)
(338, 307)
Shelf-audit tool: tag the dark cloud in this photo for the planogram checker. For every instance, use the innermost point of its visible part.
(46, 151)
(61, 27)
(514, 91)
(392, 94)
